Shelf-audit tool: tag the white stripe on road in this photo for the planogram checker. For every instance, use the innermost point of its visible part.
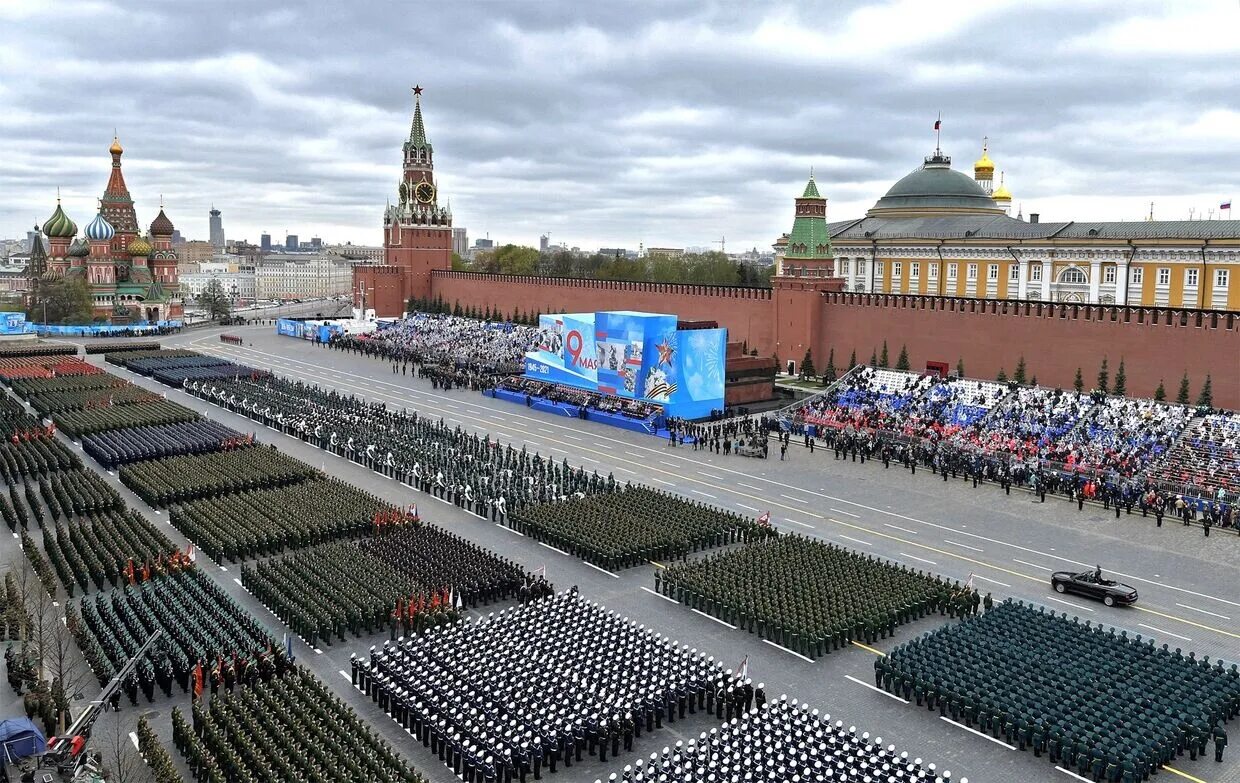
(670, 464)
(345, 674)
(978, 733)
(661, 481)
(1068, 603)
(1033, 565)
(1073, 775)
(604, 570)
(992, 581)
(795, 522)
(711, 476)
(856, 540)
(553, 549)
(875, 689)
(510, 530)
(785, 649)
(660, 595)
(897, 527)
(1168, 633)
(571, 437)
(133, 737)
(738, 505)
(793, 499)
(708, 617)
(915, 557)
(638, 456)
(749, 486)
(235, 579)
(704, 494)
(589, 459)
(1203, 611)
(847, 513)
(964, 546)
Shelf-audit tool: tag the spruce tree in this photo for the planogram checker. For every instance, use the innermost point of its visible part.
(1078, 382)
(882, 357)
(829, 376)
(852, 360)
(1120, 389)
(1033, 381)
(1002, 376)
(873, 358)
(902, 362)
(1019, 374)
(807, 364)
(960, 367)
(1160, 393)
(456, 308)
(1104, 377)
(1206, 398)
(1183, 397)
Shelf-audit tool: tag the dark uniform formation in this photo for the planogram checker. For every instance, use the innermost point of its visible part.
(1101, 704)
(537, 686)
(779, 742)
(202, 627)
(161, 482)
(269, 521)
(811, 596)
(284, 727)
(634, 526)
(142, 443)
(94, 550)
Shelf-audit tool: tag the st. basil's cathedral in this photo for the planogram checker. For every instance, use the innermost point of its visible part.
(125, 270)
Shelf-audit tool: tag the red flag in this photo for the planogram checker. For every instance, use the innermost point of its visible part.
(765, 519)
(198, 680)
(938, 124)
(129, 570)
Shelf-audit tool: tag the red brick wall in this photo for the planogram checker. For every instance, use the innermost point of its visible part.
(991, 334)
(744, 312)
(385, 288)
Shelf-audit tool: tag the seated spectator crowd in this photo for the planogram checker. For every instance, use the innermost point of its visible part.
(582, 399)
(488, 347)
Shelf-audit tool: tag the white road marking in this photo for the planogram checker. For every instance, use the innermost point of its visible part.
(856, 540)
(897, 527)
(864, 684)
(708, 617)
(572, 437)
(1033, 565)
(1203, 611)
(661, 481)
(510, 530)
(964, 546)
(345, 674)
(553, 549)
(235, 579)
(738, 505)
(670, 464)
(317, 651)
(785, 649)
(978, 733)
(749, 486)
(847, 513)
(223, 568)
(635, 456)
(133, 737)
(604, 570)
(711, 476)
(660, 595)
(992, 581)
(1167, 633)
(915, 557)
(704, 494)
(1073, 775)
(794, 499)
(1068, 603)
(795, 522)
(624, 470)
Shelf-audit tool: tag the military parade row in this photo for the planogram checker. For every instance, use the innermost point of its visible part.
(93, 551)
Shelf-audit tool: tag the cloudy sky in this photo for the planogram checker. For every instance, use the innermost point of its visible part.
(608, 124)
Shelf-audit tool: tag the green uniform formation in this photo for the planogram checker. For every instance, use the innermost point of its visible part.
(1101, 704)
(268, 521)
(199, 620)
(808, 595)
(125, 358)
(156, 756)
(634, 526)
(35, 456)
(93, 551)
(161, 482)
(88, 422)
(287, 728)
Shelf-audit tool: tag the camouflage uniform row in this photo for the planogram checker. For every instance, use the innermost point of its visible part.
(162, 482)
(85, 399)
(125, 358)
(634, 526)
(268, 521)
(810, 596)
(62, 493)
(28, 387)
(1101, 704)
(287, 728)
(38, 455)
(92, 551)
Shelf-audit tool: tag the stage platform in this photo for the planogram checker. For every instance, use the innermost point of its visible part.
(647, 426)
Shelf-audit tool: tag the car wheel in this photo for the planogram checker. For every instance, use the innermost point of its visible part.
(1109, 601)
(1059, 588)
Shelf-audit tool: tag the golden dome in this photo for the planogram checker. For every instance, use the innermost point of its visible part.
(139, 248)
(116, 148)
(1001, 193)
(984, 163)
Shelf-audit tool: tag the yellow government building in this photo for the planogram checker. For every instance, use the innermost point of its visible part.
(939, 232)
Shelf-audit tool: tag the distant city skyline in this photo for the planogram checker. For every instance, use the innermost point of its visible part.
(671, 127)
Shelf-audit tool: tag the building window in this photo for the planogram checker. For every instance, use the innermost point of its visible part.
(861, 266)
(1108, 274)
(1136, 275)
(1190, 277)
(951, 271)
(992, 272)
(878, 269)
(972, 272)
(1164, 275)
(1014, 273)
(934, 272)
(914, 270)
(897, 269)
(1221, 278)
(1035, 273)
(1073, 276)
(844, 266)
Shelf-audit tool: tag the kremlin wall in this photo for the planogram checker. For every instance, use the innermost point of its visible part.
(937, 266)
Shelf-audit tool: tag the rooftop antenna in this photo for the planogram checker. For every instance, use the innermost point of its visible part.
(1190, 212)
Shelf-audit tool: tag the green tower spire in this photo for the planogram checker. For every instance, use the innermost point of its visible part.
(809, 237)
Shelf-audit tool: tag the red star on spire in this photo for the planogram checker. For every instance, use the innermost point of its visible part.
(417, 89)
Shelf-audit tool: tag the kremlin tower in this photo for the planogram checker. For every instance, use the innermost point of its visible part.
(126, 272)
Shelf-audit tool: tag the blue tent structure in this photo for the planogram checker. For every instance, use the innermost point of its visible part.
(20, 738)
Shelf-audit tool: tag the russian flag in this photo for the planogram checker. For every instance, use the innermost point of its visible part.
(1226, 205)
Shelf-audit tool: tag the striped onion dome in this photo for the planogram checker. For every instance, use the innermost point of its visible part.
(59, 225)
(100, 230)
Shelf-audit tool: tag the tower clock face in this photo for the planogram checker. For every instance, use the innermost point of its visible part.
(425, 192)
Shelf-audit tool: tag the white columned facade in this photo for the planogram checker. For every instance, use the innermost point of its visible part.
(1121, 281)
(1047, 270)
(1095, 279)
(1022, 280)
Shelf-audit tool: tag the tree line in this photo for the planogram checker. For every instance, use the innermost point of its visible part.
(712, 268)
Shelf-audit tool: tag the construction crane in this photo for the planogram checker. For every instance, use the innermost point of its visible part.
(722, 242)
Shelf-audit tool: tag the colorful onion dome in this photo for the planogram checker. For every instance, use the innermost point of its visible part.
(100, 230)
(59, 225)
(1002, 193)
(161, 226)
(79, 248)
(139, 248)
(116, 148)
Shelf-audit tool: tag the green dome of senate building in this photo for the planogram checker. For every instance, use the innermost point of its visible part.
(934, 188)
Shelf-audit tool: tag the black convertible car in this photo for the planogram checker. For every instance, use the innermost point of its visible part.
(1093, 585)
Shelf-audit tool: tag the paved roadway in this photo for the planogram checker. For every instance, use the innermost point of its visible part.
(1186, 582)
